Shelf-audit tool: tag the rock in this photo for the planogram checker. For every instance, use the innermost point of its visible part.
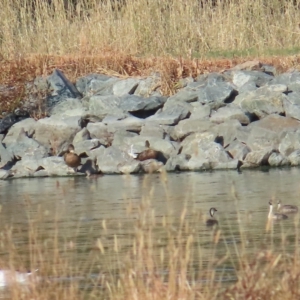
(257, 158)
(4, 174)
(68, 108)
(11, 119)
(99, 105)
(200, 111)
(101, 132)
(126, 86)
(152, 131)
(187, 94)
(289, 142)
(290, 79)
(123, 139)
(229, 112)
(130, 123)
(186, 127)
(226, 132)
(149, 86)
(84, 147)
(55, 132)
(6, 157)
(291, 105)
(277, 160)
(25, 146)
(294, 158)
(28, 125)
(133, 103)
(238, 150)
(261, 102)
(241, 78)
(81, 135)
(61, 89)
(171, 114)
(93, 83)
(247, 87)
(191, 143)
(177, 162)
(114, 161)
(55, 166)
(217, 94)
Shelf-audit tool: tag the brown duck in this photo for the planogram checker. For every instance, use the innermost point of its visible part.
(148, 153)
(71, 158)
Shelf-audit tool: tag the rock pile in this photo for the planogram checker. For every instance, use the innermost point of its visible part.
(244, 117)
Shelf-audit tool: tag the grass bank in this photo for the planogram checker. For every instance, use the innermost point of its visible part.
(176, 38)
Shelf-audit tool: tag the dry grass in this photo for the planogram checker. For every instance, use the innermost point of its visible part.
(176, 38)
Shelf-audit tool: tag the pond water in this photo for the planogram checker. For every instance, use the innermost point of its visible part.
(87, 218)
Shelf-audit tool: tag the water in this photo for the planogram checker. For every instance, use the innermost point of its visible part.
(85, 217)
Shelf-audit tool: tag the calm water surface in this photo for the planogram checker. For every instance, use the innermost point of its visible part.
(81, 212)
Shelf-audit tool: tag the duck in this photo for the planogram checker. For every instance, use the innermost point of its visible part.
(212, 221)
(11, 277)
(286, 208)
(89, 174)
(72, 159)
(148, 153)
(275, 216)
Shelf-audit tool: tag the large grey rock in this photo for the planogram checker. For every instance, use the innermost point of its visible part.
(133, 103)
(277, 160)
(294, 158)
(247, 87)
(25, 146)
(191, 143)
(171, 113)
(187, 94)
(152, 131)
(125, 86)
(93, 83)
(130, 123)
(227, 132)
(186, 127)
(289, 142)
(291, 105)
(149, 86)
(6, 157)
(261, 102)
(56, 132)
(28, 125)
(290, 79)
(12, 118)
(115, 161)
(61, 89)
(68, 108)
(216, 94)
(200, 111)
(229, 112)
(238, 150)
(257, 158)
(84, 147)
(100, 105)
(177, 162)
(266, 132)
(55, 166)
(240, 78)
(81, 135)
(101, 132)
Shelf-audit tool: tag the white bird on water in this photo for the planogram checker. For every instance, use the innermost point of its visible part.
(10, 277)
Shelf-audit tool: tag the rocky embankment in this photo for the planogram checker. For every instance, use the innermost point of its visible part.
(244, 117)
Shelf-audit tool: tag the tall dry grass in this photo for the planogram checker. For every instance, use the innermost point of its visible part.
(191, 28)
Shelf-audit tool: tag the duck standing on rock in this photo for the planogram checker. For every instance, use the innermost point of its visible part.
(147, 154)
(72, 160)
